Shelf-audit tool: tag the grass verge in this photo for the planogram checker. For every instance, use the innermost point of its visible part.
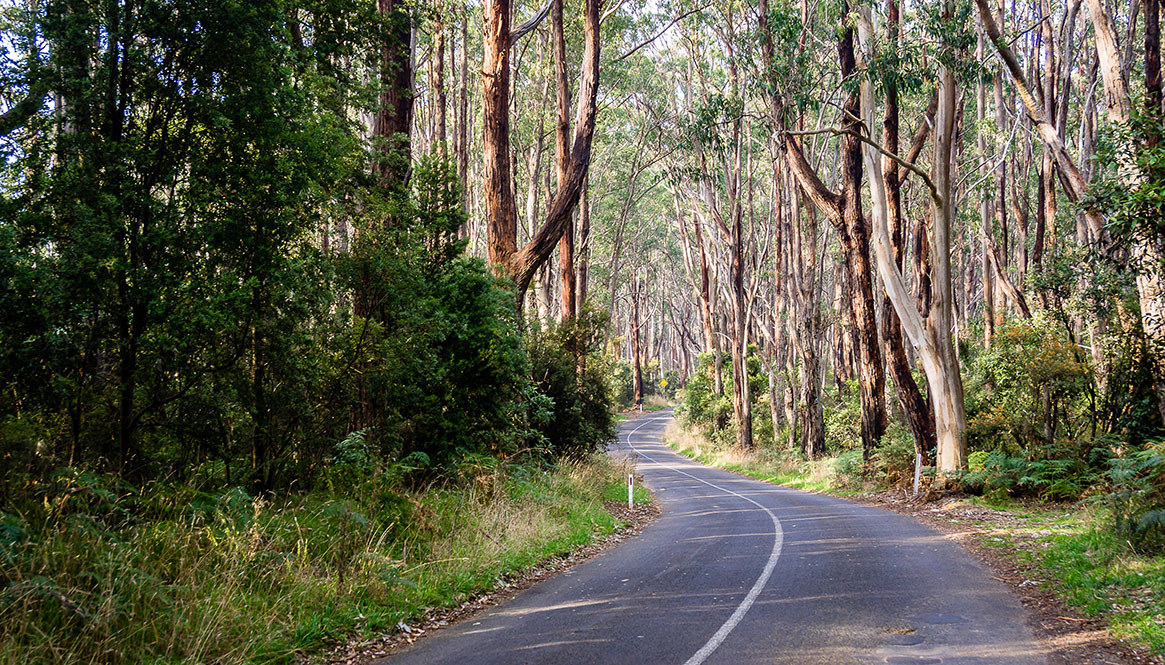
(102, 575)
(1105, 577)
(762, 463)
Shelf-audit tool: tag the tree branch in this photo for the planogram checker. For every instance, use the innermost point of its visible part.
(660, 33)
(23, 110)
(531, 23)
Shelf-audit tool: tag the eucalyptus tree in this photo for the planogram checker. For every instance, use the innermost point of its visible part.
(500, 212)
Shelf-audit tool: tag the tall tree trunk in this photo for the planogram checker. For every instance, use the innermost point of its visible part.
(562, 158)
(805, 323)
(986, 275)
(394, 115)
(440, 135)
(1148, 241)
(855, 238)
(1150, 246)
(950, 417)
(931, 336)
(463, 119)
(391, 135)
(636, 362)
(914, 406)
(520, 264)
(582, 258)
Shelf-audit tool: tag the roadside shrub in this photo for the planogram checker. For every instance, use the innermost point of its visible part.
(1031, 387)
(712, 414)
(848, 467)
(566, 367)
(1055, 473)
(843, 420)
(1137, 499)
(704, 409)
(620, 383)
(892, 461)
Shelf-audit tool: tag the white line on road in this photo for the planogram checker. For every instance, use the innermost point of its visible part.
(778, 539)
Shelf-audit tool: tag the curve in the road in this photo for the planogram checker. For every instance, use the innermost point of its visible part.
(737, 571)
(778, 536)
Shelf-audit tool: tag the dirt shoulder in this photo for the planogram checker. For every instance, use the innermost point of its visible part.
(361, 652)
(1069, 637)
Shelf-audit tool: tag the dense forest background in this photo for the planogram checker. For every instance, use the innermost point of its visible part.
(284, 246)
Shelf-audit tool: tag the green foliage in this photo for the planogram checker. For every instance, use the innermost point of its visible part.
(1137, 499)
(1049, 473)
(168, 305)
(180, 296)
(892, 461)
(568, 368)
(621, 382)
(848, 467)
(712, 414)
(705, 409)
(1032, 386)
(1139, 211)
(843, 420)
(1094, 569)
(95, 572)
(440, 349)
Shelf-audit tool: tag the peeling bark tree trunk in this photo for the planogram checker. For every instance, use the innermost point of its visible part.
(950, 418)
(508, 259)
(931, 336)
(440, 134)
(986, 275)
(584, 247)
(394, 115)
(636, 353)
(915, 407)
(562, 160)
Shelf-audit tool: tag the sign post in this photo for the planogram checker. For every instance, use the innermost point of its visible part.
(630, 491)
(917, 471)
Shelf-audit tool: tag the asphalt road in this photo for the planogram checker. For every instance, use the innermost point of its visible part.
(737, 571)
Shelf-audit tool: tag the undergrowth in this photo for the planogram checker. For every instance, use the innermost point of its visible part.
(762, 463)
(1100, 574)
(99, 573)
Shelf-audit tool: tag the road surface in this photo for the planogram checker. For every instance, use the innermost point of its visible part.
(736, 572)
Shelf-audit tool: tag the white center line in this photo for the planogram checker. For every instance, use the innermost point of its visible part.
(778, 539)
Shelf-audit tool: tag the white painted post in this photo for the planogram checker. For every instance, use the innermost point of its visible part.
(630, 490)
(917, 471)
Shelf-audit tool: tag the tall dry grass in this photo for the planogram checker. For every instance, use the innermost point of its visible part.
(766, 463)
(228, 578)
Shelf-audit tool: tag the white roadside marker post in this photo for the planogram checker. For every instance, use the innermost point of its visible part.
(630, 490)
(917, 471)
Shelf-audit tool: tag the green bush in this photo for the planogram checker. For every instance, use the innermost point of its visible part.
(620, 382)
(892, 460)
(703, 408)
(843, 420)
(848, 467)
(1032, 384)
(1137, 499)
(712, 414)
(1053, 474)
(567, 368)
